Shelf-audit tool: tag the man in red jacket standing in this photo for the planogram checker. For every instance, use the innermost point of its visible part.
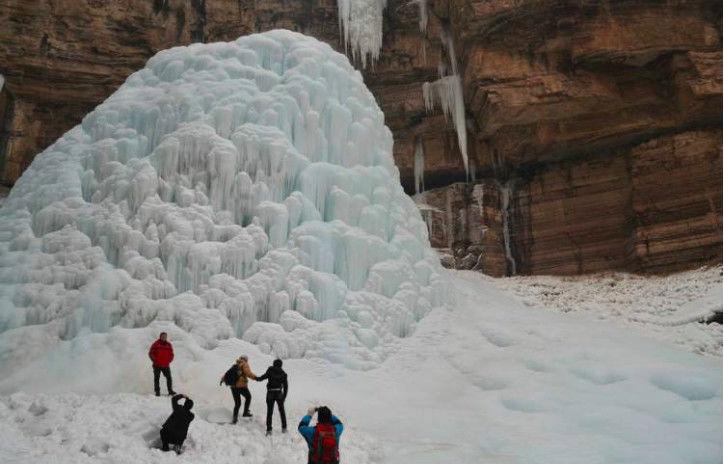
(161, 354)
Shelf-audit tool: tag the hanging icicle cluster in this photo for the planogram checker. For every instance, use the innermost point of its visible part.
(361, 24)
(448, 93)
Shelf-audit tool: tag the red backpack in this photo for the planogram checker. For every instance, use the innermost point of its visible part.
(324, 445)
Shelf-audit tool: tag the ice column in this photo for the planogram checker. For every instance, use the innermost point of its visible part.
(361, 24)
(506, 191)
(422, 7)
(419, 167)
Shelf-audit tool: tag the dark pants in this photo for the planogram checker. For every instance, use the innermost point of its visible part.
(237, 393)
(271, 398)
(168, 439)
(157, 373)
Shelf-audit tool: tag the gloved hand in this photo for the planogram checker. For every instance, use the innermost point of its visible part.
(221, 382)
(311, 410)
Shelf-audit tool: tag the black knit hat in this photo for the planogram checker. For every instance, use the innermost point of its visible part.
(324, 415)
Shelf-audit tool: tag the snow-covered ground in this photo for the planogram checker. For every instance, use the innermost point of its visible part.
(667, 308)
(491, 380)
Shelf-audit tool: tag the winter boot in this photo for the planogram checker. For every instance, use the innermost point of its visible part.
(268, 433)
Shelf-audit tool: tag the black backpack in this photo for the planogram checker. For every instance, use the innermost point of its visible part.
(231, 376)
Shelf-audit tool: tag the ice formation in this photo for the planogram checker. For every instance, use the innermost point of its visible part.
(506, 190)
(448, 92)
(361, 24)
(237, 189)
(419, 166)
(422, 10)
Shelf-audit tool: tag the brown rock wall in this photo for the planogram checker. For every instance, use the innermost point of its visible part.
(677, 201)
(656, 207)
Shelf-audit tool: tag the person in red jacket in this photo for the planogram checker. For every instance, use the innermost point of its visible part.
(161, 354)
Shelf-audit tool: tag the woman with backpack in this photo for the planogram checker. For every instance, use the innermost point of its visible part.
(277, 388)
(322, 439)
(237, 377)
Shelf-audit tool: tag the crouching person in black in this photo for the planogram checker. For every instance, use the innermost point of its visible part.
(277, 388)
(176, 427)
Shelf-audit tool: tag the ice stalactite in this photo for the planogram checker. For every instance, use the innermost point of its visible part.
(422, 7)
(232, 189)
(360, 22)
(506, 192)
(447, 43)
(419, 167)
(448, 93)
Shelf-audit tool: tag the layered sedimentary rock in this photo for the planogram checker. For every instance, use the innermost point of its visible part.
(656, 207)
(597, 119)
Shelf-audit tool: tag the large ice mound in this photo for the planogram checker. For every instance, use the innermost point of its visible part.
(236, 189)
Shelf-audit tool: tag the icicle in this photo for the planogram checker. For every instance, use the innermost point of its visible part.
(505, 192)
(419, 167)
(422, 7)
(447, 43)
(361, 23)
(448, 91)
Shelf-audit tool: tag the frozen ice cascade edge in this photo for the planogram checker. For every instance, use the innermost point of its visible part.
(360, 22)
(235, 189)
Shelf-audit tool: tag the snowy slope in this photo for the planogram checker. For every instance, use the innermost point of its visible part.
(491, 380)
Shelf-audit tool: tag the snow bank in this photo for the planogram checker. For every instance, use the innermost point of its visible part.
(667, 308)
(124, 428)
(232, 189)
(490, 380)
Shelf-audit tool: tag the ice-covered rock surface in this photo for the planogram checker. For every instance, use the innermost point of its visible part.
(235, 189)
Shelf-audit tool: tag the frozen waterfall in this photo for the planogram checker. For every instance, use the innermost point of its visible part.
(234, 189)
(360, 22)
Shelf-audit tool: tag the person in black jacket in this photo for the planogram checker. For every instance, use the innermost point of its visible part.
(277, 389)
(176, 427)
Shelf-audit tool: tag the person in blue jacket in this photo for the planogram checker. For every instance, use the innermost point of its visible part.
(323, 438)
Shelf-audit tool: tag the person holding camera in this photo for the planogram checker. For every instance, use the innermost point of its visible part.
(176, 427)
(322, 439)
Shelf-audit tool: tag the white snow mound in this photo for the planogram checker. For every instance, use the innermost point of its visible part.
(235, 189)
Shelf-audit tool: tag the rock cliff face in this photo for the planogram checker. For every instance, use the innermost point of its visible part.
(593, 126)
